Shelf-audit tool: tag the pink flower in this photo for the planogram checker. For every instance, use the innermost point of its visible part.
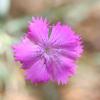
(48, 52)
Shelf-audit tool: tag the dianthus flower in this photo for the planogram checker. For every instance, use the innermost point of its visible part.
(48, 53)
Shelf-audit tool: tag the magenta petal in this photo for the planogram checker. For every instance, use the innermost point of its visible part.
(72, 54)
(38, 30)
(26, 52)
(60, 69)
(68, 65)
(79, 48)
(62, 35)
(37, 73)
(64, 38)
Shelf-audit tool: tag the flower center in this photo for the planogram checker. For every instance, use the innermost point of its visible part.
(47, 50)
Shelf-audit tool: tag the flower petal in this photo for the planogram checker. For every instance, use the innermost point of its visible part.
(63, 37)
(37, 73)
(71, 54)
(38, 30)
(61, 69)
(61, 34)
(26, 52)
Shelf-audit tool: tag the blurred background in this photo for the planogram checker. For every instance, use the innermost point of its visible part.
(83, 16)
